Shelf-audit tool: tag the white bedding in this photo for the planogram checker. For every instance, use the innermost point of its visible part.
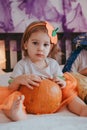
(62, 120)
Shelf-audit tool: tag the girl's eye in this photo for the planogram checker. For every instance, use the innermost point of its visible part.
(46, 44)
(35, 43)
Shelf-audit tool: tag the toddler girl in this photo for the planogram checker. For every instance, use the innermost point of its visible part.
(39, 39)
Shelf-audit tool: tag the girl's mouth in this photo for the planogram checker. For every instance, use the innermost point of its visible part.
(40, 55)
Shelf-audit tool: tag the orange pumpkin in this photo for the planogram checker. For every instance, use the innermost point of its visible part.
(43, 99)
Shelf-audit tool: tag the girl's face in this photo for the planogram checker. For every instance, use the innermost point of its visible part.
(38, 46)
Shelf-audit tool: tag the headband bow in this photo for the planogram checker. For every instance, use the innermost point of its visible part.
(52, 32)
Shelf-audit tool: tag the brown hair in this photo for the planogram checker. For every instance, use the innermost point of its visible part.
(34, 27)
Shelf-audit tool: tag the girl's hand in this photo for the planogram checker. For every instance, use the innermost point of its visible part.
(28, 80)
(60, 82)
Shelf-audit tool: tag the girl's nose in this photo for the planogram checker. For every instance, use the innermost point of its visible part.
(40, 47)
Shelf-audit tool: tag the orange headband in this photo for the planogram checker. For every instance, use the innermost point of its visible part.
(51, 31)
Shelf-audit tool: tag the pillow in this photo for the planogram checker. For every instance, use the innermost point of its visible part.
(82, 86)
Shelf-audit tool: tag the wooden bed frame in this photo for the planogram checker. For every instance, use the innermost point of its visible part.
(7, 37)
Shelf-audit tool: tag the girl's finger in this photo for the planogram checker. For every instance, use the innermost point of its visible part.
(35, 78)
(33, 83)
(28, 85)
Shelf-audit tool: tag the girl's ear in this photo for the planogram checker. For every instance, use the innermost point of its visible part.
(25, 46)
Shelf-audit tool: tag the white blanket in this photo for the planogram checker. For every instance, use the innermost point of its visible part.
(62, 120)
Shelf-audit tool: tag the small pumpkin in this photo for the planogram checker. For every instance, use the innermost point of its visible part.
(43, 99)
(81, 86)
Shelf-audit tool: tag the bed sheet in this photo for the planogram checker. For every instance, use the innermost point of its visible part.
(62, 120)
